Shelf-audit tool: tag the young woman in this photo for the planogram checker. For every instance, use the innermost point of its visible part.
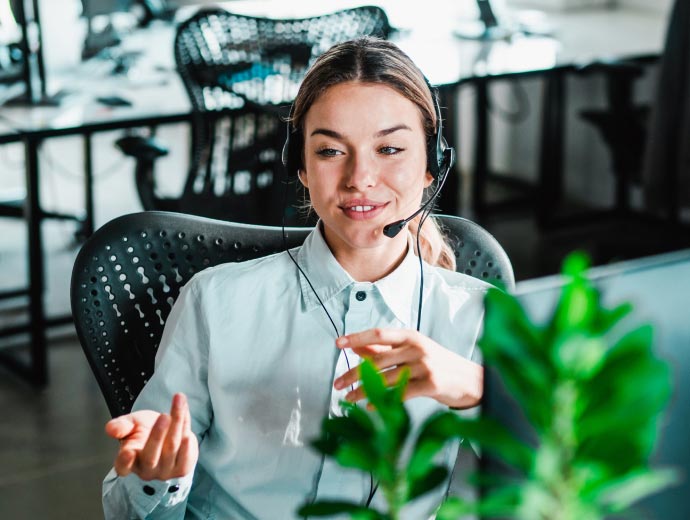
(255, 354)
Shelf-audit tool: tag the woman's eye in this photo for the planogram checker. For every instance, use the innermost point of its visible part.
(328, 152)
(390, 150)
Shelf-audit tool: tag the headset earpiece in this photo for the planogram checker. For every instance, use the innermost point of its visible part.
(440, 156)
(292, 151)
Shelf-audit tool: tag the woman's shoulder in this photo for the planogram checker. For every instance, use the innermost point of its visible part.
(264, 269)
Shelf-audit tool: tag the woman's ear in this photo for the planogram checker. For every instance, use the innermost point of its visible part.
(302, 176)
(428, 179)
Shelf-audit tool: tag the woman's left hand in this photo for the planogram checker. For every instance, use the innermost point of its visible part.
(435, 371)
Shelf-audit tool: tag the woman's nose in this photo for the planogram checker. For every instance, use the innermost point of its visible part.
(362, 172)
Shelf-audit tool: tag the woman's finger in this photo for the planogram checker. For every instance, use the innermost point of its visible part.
(148, 457)
(397, 356)
(171, 443)
(391, 377)
(389, 337)
(186, 456)
(120, 427)
(385, 360)
(124, 462)
(371, 350)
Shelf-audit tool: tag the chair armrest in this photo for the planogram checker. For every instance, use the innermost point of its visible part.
(141, 148)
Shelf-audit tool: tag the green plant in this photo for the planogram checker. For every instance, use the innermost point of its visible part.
(592, 391)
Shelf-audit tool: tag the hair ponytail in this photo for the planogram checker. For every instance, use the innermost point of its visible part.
(433, 246)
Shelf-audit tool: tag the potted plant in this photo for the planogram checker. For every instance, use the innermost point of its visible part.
(592, 392)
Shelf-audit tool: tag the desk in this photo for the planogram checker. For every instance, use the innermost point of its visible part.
(448, 62)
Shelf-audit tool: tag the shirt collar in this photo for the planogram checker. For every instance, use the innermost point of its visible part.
(329, 278)
(324, 272)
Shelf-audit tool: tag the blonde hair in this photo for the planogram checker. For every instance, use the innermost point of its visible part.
(372, 60)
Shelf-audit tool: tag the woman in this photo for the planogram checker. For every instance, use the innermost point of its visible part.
(255, 354)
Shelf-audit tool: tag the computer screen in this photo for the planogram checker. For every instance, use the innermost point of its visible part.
(658, 288)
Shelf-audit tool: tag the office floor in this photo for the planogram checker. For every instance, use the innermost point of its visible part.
(53, 452)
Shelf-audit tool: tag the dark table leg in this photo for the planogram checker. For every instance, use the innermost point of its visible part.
(38, 369)
(551, 154)
(88, 224)
(481, 148)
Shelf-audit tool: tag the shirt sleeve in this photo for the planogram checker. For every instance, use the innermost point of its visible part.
(181, 366)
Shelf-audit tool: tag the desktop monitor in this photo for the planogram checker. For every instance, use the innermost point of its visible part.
(657, 287)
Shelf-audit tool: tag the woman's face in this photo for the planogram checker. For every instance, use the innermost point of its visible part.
(364, 163)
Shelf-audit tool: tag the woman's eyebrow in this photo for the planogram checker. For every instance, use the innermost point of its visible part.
(326, 132)
(380, 133)
(388, 131)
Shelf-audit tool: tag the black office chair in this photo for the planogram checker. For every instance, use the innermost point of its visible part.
(241, 73)
(129, 273)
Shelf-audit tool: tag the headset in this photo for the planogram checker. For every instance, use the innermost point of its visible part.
(439, 157)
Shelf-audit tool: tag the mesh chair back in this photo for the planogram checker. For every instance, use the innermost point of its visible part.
(129, 273)
(241, 72)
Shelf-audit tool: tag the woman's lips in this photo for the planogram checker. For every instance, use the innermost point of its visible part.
(363, 211)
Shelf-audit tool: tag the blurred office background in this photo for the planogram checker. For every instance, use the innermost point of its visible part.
(97, 60)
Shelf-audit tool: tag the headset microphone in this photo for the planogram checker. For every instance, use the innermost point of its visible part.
(392, 229)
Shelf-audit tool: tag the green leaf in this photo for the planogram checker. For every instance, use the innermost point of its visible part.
(360, 455)
(606, 319)
(576, 310)
(425, 482)
(373, 383)
(576, 264)
(434, 433)
(454, 508)
(514, 347)
(621, 494)
(488, 433)
(498, 504)
(624, 402)
(330, 508)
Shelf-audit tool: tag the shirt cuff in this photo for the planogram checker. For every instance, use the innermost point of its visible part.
(147, 495)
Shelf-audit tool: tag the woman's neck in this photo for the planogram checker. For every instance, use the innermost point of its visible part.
(372, 264)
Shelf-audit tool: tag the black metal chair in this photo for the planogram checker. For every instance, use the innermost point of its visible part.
(241, 72)
(129, 273)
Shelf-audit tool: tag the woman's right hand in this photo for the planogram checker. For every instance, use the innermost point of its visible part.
(153, 445)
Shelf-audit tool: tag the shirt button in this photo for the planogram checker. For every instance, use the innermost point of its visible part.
(149, 490)
(174, 488)
(361, 296)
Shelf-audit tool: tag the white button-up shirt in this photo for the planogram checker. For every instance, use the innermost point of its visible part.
(254, 351)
